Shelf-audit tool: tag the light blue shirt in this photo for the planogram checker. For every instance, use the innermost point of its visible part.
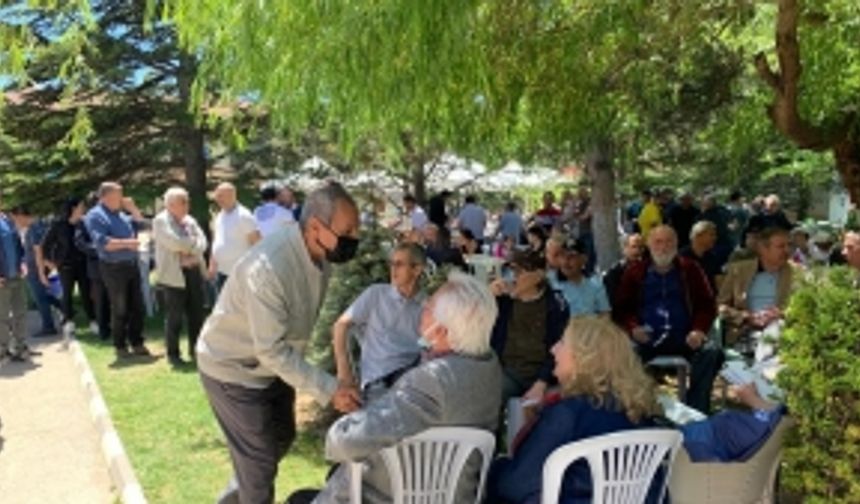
(762, 291)
(588, 297)
(511, 225)
(387, 326)
(473, 218)
(103, 225)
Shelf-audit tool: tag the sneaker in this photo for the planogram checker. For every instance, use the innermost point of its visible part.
(94, 327)
(69, 330)
(123, 353)
(141, 350)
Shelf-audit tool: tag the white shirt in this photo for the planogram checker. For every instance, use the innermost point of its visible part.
(473, 218)
(419, 218)
(231, 236)
(271, 217)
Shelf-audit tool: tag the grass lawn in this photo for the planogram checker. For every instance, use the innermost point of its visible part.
(170, 434)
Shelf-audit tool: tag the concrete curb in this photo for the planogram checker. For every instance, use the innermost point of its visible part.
(120, 468)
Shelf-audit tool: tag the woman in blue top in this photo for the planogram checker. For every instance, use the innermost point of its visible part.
(604, 389)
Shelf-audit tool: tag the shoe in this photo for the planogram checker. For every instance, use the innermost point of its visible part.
(69, 330)
(141, 351)
(20, 356)
(123, 353)
(176, 361)
(94, 327)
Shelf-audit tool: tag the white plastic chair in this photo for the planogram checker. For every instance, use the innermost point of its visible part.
(427, 467)
(623, 464)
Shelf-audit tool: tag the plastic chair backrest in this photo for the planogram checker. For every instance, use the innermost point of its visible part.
(427, 467)
(622, 464)
(746, 482)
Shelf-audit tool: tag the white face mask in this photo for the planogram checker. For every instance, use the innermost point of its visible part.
(424, 341)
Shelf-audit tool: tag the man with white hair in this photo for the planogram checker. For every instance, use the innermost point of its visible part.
(457, 383)
(234, 231)
(668, 307)
(179, 248)
(250, 351)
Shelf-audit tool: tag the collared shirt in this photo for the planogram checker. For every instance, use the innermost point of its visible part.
(231, 236)
(388, 330)
(663, 308)
(762, 291)
(587, 297)
(511, 225)
(418, 218)
(10, 246)
(103, 225)
(271, 217)
(264, 317)
(473, 218)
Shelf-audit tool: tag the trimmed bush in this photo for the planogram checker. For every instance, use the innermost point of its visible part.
(821, 353)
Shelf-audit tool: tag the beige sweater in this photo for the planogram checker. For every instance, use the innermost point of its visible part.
(171, 243)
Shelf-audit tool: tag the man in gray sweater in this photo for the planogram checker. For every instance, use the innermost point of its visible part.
(250, 351)
(457, 383)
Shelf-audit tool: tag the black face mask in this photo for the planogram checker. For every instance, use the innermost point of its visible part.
(344, 251)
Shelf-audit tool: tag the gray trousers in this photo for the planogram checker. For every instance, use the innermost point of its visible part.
(13, 316)
(260, 426)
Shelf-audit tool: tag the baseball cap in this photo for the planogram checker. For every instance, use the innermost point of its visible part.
(573, 244)
(528, 260)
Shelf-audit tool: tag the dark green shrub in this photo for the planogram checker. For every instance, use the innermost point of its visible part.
(821, 353)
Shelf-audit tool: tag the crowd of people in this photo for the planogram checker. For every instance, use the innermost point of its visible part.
(573, 342)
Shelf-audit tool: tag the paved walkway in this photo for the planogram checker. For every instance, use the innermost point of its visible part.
(49, 448)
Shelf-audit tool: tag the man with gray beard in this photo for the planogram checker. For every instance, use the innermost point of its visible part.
(667, 306)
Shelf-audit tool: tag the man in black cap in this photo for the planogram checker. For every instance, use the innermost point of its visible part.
(584, 295)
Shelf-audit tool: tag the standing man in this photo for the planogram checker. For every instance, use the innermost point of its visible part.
(179, 248)
(511, 223)
(113, 226)
(413, 212)
(549, 214)
(437, 209)
(234, 231)
(271, 216)
(33, 231)
(250, 350)
(13, 297)
(474, 218)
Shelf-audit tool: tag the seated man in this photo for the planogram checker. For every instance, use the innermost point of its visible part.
(584, 295)
(532, 317)
(456, 384)
(667, 306)
(387, 318)
(632, 248)
(755, 292)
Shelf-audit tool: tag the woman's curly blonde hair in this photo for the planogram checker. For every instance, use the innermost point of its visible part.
(607, 367)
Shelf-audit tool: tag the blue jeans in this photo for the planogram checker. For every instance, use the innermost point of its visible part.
(44, 301)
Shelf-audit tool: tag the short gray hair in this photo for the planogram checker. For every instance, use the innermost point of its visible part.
(106, 188)
(702, 227)
(417, 256)
(467, 309)
(322, 203)
(175, 193)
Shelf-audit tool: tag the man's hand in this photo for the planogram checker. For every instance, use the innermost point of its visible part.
(346, 399)
(641, 335)
(696, 339)
(499, 287)
(132, 243)
(536, 392)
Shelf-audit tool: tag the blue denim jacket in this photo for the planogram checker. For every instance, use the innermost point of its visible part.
(10, 244)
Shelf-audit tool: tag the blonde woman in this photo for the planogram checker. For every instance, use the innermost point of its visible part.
(603, 389)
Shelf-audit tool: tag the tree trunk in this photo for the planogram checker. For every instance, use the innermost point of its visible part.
(605, 218)
(193, 145)
(784, 112)
(419, 182)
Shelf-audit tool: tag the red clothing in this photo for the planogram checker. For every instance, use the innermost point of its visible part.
(699, 300)
(548, 212)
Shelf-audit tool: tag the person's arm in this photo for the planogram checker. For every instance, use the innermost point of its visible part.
(704, 306)
(166, 237)
(340, 337)
(200, 241)
(269, 316)
(40, 264)
(728, 309)
(411, 406)
(252, 234)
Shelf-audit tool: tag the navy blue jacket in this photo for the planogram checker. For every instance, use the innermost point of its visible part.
(518, 480)
(557, 317)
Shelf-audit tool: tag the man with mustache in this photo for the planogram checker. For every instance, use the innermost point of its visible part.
(667, 306)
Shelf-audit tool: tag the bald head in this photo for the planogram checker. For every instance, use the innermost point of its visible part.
(225, 196)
